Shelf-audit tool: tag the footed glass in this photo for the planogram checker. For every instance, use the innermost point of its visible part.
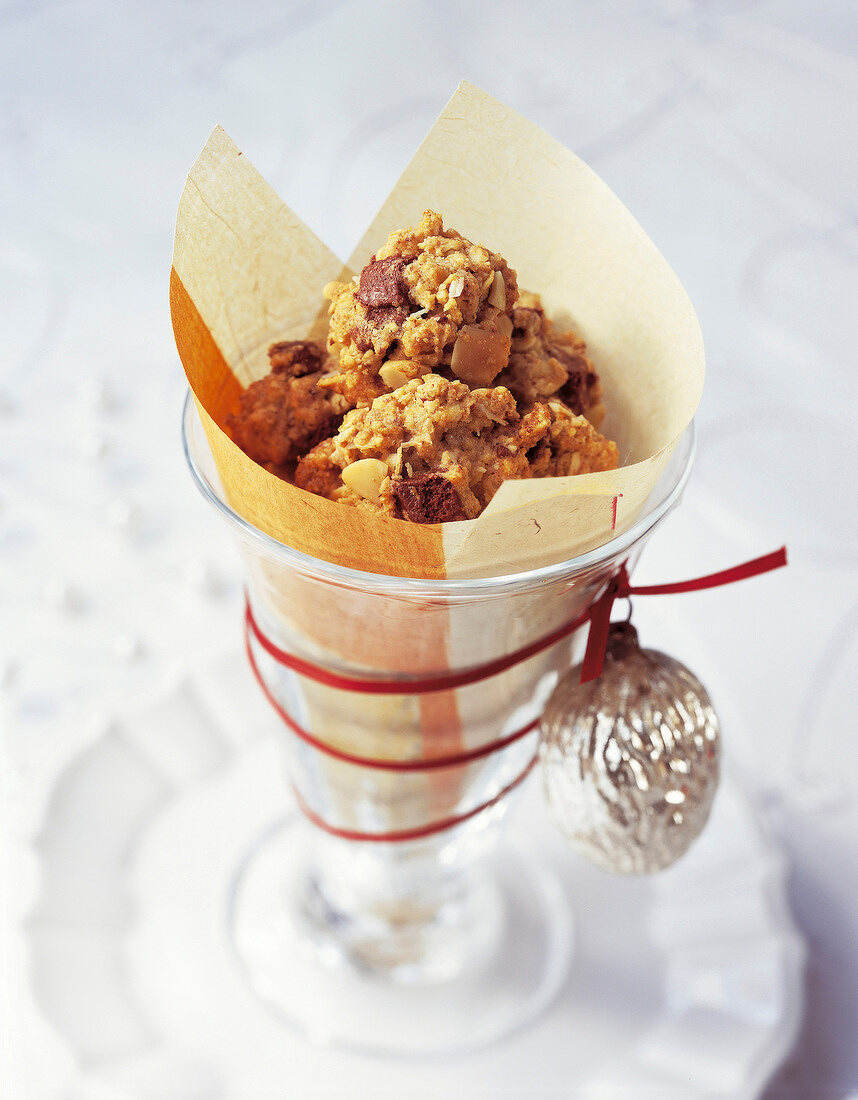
(365, 917)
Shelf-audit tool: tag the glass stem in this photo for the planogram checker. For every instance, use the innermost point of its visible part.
(396, 910)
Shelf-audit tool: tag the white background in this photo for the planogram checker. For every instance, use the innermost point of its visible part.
(728, 129)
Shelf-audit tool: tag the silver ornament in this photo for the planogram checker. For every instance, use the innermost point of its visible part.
(630, 760)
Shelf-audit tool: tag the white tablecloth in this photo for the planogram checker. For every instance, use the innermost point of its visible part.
(728, 129)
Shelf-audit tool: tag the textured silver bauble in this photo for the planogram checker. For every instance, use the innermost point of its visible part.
(630, 760)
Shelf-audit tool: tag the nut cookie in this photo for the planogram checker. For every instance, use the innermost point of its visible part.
(545, 363)
(436, 450)
(286, 413)
(440, 382)
(428, 298)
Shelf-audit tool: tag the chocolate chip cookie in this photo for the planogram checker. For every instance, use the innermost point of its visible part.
(440, 382)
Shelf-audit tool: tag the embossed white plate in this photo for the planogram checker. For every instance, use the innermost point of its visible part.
(685, 985)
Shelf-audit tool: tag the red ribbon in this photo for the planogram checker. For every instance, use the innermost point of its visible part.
(450, 761)
(599, 616)
(619, 588)
(446, 681)
(419, 831)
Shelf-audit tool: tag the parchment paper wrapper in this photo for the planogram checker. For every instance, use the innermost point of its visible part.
(247, 272)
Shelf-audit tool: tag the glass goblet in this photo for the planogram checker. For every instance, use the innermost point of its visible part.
(385, 913)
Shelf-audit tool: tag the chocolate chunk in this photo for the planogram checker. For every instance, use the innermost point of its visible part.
(381, 284)
(364, 332)
(382, 314)
(428, 498)
(574, 391)
(385, 297)
(298, 357)
(362, 336)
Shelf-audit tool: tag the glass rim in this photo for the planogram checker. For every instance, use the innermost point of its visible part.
(393, 585)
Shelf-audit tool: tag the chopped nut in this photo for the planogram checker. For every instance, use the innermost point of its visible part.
(456, 287)
(497, 295)
(504, 326)
(479, 355)
(365, 477)
(392, 376)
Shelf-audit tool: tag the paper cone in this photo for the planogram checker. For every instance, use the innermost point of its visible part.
(247, 272)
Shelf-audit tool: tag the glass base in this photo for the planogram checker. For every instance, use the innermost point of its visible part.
(321, 985)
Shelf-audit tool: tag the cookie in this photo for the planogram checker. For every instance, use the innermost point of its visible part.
(286, 413)
(440, 382)
(434, 450)
(546, 363)
(429, 298)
